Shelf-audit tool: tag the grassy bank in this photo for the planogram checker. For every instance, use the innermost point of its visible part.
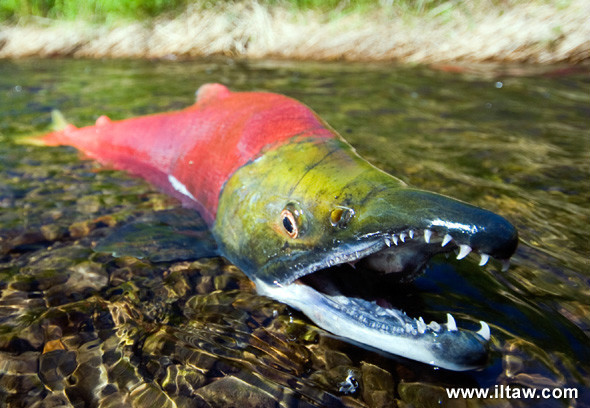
(97, 11)
(536, 31)
(101, 11)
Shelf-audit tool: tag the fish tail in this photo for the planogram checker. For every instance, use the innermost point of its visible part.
(58, 121)
(62, 130)
(61, 134)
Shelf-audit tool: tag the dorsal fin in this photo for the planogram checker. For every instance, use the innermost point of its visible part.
(102, 120)
(210, 92)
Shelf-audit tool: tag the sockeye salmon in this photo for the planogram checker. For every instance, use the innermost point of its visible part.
(303, 215)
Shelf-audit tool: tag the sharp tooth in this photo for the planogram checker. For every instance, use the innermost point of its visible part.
(420, 325)
(427, 235)
(505, 265)
(394, 239)
(451, 324)
(446, 239)
(484, 331)
(387, 241)
(411, 233)
(434, 326)
(403, 236)
(464, 250)
(484, 259)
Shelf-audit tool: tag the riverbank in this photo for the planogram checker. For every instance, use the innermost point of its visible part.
(532, 32)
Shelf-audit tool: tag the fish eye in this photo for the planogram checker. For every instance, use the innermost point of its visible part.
(293, 220)
(290, 223)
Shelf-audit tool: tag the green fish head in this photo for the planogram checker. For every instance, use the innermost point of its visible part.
(319, 228)
(310, 205)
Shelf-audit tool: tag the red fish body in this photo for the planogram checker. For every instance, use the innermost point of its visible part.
(200, 146)
(286, 197)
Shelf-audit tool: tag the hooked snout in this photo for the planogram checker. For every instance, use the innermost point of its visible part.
(400, 210)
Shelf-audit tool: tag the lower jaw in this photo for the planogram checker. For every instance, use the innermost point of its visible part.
(366, 318)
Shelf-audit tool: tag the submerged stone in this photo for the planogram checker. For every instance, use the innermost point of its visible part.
(226, 391)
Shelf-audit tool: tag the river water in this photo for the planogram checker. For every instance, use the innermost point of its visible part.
(156, 328)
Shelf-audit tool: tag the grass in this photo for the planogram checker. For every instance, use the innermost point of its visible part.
(93, 10)
(111, 10)
(426, 31)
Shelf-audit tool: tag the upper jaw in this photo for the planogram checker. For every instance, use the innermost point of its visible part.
(403, 253)
(407, 252)
(407, 226)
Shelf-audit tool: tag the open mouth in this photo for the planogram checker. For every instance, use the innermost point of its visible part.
(407, 253)
(348, 293)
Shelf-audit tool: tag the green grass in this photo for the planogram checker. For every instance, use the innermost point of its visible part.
(92, 10)
(112, 10)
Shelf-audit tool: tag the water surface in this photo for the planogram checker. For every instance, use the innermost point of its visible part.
(85, 328)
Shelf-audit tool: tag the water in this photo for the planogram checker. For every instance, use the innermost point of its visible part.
(83, 328)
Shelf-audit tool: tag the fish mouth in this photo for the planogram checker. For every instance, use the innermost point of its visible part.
(333, 292)
(406, 254)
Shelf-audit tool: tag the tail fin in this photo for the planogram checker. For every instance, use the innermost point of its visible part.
(60, 127)
(58, 121)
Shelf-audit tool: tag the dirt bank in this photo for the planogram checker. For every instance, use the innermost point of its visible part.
(534, 32)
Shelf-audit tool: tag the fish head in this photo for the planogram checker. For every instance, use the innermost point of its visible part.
(310, 205)
(311, 216)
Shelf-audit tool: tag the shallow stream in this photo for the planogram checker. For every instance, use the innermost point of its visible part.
(84, 328)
